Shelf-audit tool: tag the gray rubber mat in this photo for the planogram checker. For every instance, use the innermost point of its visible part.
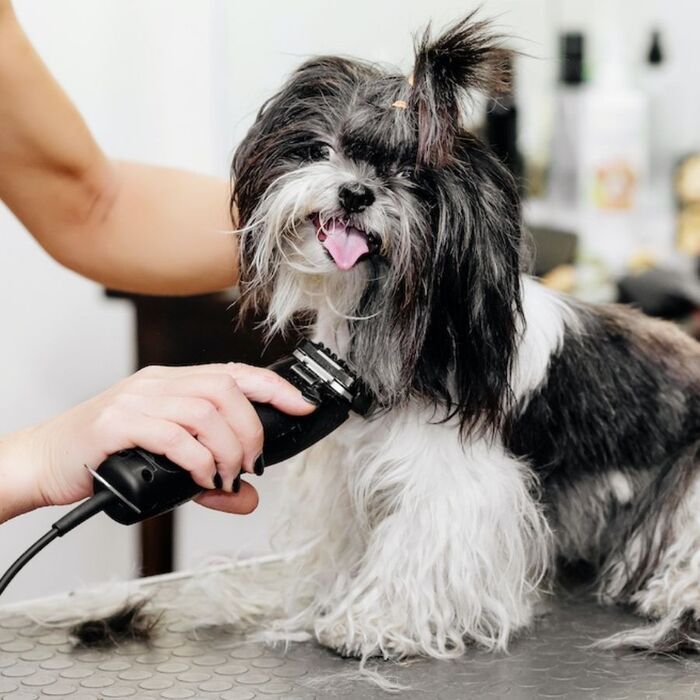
(553, 661)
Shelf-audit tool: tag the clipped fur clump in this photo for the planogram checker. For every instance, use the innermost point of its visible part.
(131, 623)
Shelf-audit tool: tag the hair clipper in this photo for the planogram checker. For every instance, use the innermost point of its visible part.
(146, 484)
(133, 485)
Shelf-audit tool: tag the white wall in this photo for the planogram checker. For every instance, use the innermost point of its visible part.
(178, 82)
(141, 74)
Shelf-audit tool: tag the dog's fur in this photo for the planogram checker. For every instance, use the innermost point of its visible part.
(511, 427)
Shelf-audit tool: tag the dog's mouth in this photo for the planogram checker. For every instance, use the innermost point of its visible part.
(345, 243)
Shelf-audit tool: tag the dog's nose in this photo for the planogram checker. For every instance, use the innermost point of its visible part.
(355, 197)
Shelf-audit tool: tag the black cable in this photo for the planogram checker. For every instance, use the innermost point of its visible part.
(93, 505)
(26, 557)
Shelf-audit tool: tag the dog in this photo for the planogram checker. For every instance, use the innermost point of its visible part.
(512, 428)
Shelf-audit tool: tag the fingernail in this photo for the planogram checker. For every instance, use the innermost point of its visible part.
(218, 481)
(259, 465)
(236, 484)
(311, 396)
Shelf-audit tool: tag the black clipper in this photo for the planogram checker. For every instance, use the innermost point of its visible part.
(146, 484)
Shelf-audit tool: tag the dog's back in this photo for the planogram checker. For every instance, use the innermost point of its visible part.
(613, 433)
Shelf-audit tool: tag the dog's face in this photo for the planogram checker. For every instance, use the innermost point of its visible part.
(359, 193)
(327, 186)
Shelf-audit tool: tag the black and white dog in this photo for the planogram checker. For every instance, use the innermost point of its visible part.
(512, 427)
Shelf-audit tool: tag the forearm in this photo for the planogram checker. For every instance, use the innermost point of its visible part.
(19, 492)
(163, 231)
(130, 227)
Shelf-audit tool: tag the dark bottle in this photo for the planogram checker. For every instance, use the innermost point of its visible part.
(563, 178)
(501, 127)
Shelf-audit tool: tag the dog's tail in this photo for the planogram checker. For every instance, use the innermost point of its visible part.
(656, 568)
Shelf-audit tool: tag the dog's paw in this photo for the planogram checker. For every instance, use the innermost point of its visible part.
(353, 641)
(339, 640)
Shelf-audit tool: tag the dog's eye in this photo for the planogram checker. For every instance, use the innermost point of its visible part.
(312, 152)
(405, 173)
(319, 151)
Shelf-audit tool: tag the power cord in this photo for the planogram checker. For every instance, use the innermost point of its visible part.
(92, 506)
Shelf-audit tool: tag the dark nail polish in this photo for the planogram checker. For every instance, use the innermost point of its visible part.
(311, 396)
(236, 484)
(259, 465)
(218, 481)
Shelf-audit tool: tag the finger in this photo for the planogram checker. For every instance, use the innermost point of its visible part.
(257, 383)
(222, 391)
(242, 503)
(203, 420)
(161, 437)
(265, 386)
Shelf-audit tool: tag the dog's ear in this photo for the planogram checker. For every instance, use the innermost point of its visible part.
(477, 289)
(446, 329)
(465, 57)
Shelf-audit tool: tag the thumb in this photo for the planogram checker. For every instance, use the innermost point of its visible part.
(239, 503)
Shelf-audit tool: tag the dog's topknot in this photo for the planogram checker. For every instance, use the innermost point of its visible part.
(466, 56)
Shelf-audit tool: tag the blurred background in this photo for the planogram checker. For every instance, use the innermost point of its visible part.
(602, 131)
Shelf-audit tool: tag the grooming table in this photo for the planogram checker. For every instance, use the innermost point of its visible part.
(553, 661)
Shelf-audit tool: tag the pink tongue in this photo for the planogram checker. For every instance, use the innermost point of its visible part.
(346, 244)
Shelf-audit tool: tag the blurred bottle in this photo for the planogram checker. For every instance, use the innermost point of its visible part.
(564, 162)
(659, 93)
(614, 131)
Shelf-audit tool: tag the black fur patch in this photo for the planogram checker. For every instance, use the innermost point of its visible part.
(613, 401)
(608, 402)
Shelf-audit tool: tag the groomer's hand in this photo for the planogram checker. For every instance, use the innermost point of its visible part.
(199, 417)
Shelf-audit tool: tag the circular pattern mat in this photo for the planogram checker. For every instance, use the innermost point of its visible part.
(553, 661)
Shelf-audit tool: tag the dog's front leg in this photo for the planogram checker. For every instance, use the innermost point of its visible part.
(423, 542)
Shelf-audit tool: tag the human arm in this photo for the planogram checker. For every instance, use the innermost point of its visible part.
(128, 226)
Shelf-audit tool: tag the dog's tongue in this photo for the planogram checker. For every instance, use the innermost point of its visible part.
(346, 244)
